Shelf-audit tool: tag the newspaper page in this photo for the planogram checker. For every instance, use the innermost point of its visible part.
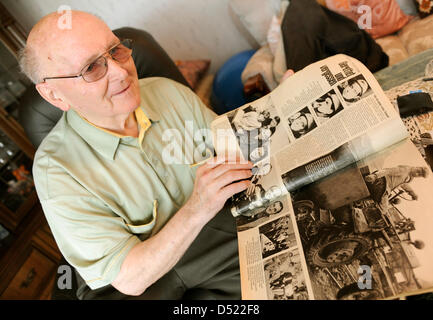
(271, 259)
(361, 233)
(326, 116)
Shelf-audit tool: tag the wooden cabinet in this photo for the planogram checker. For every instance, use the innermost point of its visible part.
(29, 256)
(30, 281)
(28, 268)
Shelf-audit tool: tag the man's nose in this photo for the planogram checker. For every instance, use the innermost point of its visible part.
(115, 69)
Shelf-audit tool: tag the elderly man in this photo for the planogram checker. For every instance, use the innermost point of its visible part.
(128, 221)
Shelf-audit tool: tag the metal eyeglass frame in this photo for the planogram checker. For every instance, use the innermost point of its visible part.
(125, 42)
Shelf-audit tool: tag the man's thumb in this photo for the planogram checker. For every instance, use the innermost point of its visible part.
(288, 74)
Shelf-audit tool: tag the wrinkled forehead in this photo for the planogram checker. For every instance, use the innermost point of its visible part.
(73, 48)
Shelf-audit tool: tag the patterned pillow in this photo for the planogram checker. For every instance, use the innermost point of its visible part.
(193, 70)
(425, 7)
(417, 36)
(394, 48)
(386, 15)
(260, 63)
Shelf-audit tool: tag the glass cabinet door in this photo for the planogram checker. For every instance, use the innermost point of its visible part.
(17, 191)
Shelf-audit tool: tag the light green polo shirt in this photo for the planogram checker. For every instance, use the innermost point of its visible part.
(103, 193)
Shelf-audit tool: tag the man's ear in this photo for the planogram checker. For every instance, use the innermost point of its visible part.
(49, 94)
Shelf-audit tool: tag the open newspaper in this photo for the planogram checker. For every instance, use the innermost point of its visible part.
(339, 206)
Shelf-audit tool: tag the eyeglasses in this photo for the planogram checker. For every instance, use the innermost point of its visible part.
(97, 69)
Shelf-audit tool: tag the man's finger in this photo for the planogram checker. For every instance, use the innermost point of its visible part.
(216, 161)
(221, 169)
(230, 177)
(234, 188)
(287, 75)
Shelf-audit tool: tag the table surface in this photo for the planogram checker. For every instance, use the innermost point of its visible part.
(405, 71)
(400, 79)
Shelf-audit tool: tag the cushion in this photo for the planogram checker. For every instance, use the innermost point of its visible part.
(274, 33)
(204, 89)
(417, 36)
(261, 63)
(386, 18)
(227, 87)
(256, 16)
(280, 66)
(193, 70)
(425, 7)
(394, 48)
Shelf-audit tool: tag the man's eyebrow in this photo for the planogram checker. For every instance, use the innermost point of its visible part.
(97, 55)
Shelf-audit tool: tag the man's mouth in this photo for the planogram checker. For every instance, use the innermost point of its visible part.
(122, 91)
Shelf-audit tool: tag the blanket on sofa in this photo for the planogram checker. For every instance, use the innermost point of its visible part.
(312, 32)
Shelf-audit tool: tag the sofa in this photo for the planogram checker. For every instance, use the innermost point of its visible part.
(410, 36)
(413, 38)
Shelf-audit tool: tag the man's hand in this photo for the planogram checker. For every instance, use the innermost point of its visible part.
(149, 260)
(215, 183)
(287, 75)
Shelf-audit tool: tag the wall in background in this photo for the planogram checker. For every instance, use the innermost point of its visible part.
(186, 29)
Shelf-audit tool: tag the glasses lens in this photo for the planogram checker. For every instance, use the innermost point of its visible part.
(96, 70)
(122, 52)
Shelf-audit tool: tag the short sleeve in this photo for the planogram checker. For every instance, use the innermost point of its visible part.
(91, 237)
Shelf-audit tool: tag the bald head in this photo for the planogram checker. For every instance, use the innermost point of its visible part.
(62, 53)
(45, 53)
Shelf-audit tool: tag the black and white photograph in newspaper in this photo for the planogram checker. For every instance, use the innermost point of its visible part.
(301, 123)
(246, 222)
(253, 200)
(420, 128)
(255, 126)
(285, 277)
(327, 106)
(266, 186)
(276, 236)
(355, 89)
(370, 221)
(425, 143)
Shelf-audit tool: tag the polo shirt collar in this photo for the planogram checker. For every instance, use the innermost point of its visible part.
(151, 114)
(103, 141)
